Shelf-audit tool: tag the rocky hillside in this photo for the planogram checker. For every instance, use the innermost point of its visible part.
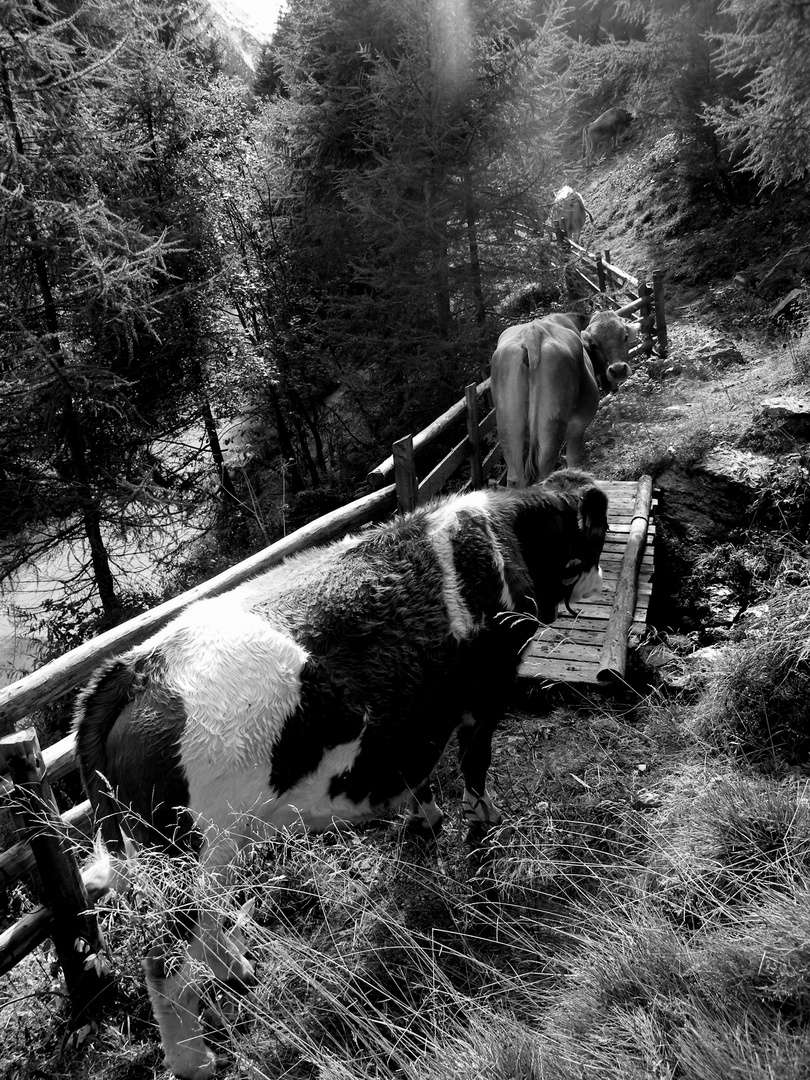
(723, 421)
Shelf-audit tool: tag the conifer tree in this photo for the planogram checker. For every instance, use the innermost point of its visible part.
(97, 236)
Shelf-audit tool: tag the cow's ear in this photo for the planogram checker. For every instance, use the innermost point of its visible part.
(593, 504)
(586, 338)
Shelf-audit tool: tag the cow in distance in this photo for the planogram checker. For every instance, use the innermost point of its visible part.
(606, 128)
(547, 379)
(322, 691)
(569, 214)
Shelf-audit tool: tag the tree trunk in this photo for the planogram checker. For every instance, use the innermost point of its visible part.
(286, 444)
(441, 289)
(472, 239)
(226, 486)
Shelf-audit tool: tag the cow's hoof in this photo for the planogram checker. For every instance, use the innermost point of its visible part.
(478, 834)
(187, 1066)
(419, 829)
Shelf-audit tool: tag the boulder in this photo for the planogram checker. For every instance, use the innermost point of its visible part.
(791, 414)
(789, 305)
(711, 356)
(713, 496)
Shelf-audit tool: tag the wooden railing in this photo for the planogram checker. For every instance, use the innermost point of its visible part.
(646, 298)
(596, 271)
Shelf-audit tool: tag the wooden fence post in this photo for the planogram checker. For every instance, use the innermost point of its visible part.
(606, 258)
(660, 314)
(600, 274)
(647, 317)
(405, 474)
(474, 435)
(75, 931)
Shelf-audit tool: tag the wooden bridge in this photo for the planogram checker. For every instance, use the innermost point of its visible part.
(591, 645)
(588, 647)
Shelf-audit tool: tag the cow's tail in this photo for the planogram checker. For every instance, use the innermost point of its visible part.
(97, 710)
(541, 443)
(532, 462)
(539, 431)
(585, 141)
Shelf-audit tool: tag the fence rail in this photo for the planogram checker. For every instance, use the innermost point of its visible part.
(48, 837)
(646, 291)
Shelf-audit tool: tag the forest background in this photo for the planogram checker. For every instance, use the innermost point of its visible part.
(316, 256)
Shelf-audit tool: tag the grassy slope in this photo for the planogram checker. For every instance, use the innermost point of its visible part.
(605, 932)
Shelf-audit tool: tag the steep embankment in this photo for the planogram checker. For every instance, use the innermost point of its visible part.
(731, 470)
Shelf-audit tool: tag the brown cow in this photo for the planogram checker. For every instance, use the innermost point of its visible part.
(569, 213)
(607, 127)
(546, 381)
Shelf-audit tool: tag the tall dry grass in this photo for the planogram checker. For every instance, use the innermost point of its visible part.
(584, 938)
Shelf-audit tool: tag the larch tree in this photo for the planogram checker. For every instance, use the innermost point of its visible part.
(768, 127)
(95, 236)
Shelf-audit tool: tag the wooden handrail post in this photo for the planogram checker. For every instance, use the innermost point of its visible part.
(600, 274)
(405, 474)
(647, 318)
(660, 314)
(75, 930)
(474, 436)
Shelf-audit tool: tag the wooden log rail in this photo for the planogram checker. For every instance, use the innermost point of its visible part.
(74, 927)
(411, 491)
(647, 299)
(613, 657)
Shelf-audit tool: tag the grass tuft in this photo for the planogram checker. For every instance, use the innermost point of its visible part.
(756, 704)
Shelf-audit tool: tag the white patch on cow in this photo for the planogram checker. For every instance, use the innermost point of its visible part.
(442, 525)
(241, 806)
(239, 680)
(310, 803)
(507, 600)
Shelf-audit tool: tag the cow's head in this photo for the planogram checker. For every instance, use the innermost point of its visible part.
(583, 575)
(607, 339)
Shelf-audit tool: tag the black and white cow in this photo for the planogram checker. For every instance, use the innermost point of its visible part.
(326, 689)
